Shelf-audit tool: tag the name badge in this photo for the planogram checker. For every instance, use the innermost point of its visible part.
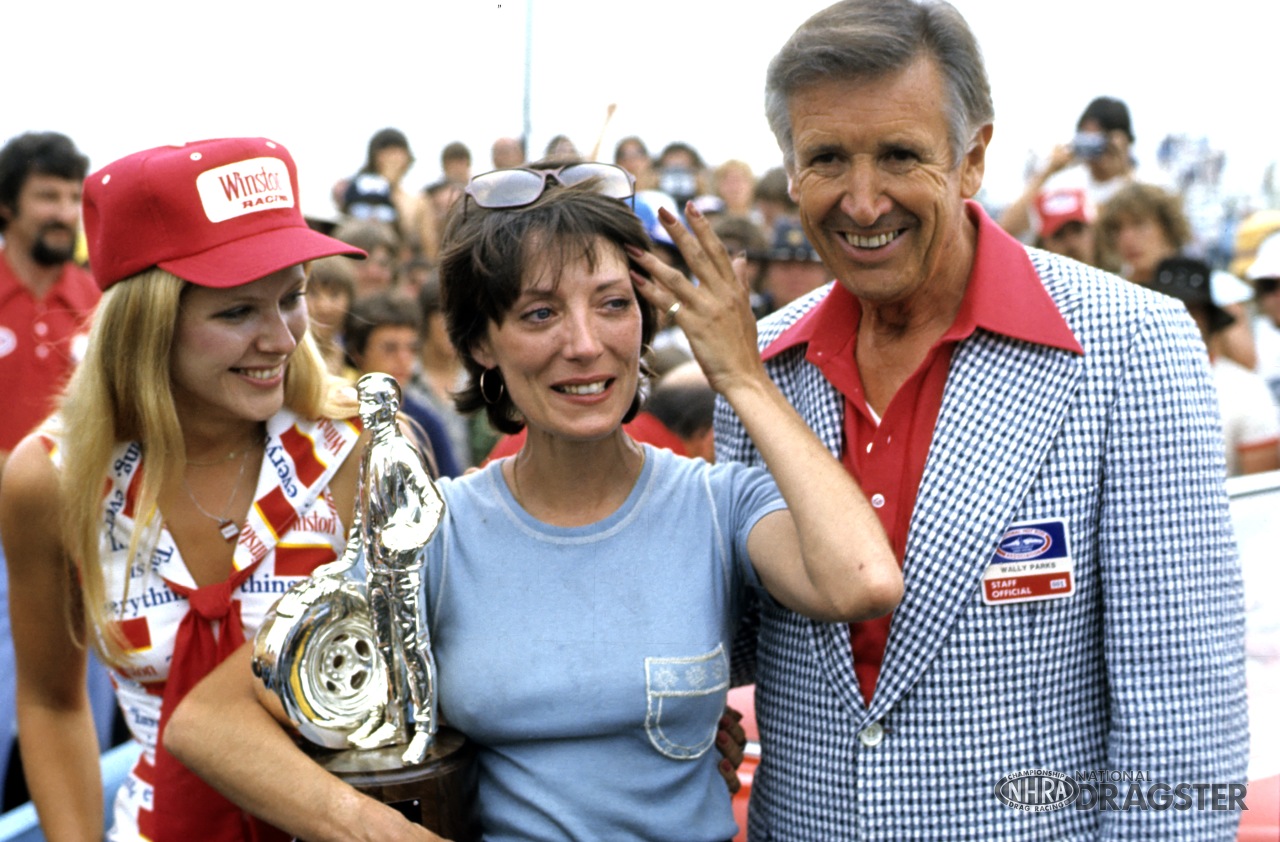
(1032, 562)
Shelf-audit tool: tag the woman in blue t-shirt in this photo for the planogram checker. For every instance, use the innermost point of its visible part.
(583, 593)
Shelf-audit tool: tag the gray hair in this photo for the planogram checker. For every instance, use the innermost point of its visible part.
(869, 39)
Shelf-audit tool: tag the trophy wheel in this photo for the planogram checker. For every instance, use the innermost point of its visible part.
(339, 674)
(318, 653)
(346, 663)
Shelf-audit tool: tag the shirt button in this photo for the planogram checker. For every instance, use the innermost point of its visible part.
(41, 328)
(42, 351)
(877, 501)
(872, 735)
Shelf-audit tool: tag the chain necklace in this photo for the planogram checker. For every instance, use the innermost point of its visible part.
(230, 531)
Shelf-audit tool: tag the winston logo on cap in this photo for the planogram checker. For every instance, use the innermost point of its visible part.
(244, 187)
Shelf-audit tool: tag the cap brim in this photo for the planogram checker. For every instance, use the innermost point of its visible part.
(256, 256)
(1054, 226)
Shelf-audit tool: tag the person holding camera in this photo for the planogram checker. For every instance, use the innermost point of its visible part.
(1102, 144)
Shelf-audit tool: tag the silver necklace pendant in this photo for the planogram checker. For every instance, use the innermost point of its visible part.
(229, 530)
(227, 527)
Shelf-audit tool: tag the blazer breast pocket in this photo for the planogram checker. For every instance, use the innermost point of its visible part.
(685, 701)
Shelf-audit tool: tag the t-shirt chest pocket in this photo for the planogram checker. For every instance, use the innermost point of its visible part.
(685, 701)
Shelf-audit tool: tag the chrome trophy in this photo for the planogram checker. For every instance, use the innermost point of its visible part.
(350, 658)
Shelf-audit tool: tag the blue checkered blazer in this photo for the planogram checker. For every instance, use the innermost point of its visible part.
(1142, 669)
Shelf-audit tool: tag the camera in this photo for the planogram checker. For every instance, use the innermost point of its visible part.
(678, 183)
(1088, 145)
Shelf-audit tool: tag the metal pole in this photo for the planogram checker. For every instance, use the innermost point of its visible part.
(527, 126)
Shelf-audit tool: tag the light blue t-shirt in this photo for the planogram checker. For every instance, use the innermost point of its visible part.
(591, 664)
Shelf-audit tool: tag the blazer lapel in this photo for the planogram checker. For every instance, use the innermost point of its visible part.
(1005, 399)
(823, 408)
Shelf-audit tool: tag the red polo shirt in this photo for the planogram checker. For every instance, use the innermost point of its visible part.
(887, 455)
(38, 345)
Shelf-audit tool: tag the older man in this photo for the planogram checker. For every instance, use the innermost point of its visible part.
(1040, 442)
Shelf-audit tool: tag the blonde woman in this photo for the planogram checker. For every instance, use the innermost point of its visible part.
(198, 465)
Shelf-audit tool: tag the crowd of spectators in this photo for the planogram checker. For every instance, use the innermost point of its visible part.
(1089, 201)
(1092, 202)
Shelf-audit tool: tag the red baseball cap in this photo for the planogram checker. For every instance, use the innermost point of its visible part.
(1058, 207)
(217, 213)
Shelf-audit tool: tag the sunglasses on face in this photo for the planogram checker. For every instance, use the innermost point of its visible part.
(515, 188)
(1266, 286)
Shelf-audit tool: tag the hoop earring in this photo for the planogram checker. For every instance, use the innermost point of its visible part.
(484, 392)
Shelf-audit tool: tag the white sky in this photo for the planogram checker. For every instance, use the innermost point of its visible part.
(322, 76)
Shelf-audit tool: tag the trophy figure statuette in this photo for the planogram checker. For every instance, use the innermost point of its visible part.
(400, 508)
(350, 657)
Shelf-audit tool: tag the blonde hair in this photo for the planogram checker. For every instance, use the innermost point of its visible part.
(733, 165)
(1138, 201)
(122, 391)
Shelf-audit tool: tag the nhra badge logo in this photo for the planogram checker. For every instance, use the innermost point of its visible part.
(1037, 790)
(1025, 543)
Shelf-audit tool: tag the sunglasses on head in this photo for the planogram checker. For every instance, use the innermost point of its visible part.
(520, 186)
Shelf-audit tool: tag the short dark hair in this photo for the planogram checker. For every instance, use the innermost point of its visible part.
(685, 409)
(677, 146)
(456, 151)
(1110, 113)
(36, 153)
(385, 139)
(487, 253)
(370, 312)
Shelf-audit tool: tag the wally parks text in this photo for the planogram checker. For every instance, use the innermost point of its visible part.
(1044, 790)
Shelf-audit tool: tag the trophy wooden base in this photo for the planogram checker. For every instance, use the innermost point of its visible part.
(439, 793)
